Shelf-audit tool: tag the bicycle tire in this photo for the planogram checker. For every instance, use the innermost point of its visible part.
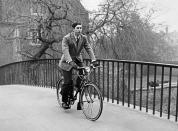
(58, 90)
(90, 94)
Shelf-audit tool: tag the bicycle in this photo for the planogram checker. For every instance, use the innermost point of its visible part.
(89, 95)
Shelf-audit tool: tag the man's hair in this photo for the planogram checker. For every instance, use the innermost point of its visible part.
(75, 24)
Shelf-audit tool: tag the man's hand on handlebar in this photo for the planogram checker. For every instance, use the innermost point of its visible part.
(73, 64)
(95, 63)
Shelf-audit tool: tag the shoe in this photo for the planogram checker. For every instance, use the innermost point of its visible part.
(65, 105)
(79, 106)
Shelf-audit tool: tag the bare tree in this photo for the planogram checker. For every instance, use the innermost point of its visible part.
(50, 22)
(120, 31)
(117, 26)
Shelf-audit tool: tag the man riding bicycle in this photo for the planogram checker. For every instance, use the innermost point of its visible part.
(72, 46)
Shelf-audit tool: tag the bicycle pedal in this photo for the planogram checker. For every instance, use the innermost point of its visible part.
(74, 98)
(71, 102)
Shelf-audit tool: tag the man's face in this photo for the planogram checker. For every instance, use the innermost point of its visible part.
(78, 29)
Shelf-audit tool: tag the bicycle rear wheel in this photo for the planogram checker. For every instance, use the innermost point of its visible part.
(58, 90)
(91, 102)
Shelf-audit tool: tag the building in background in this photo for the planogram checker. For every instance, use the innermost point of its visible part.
(15, 37)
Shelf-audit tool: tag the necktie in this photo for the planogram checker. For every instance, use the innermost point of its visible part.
(77, 41)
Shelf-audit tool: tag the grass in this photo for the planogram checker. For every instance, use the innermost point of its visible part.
(156, 100)
(112, 88)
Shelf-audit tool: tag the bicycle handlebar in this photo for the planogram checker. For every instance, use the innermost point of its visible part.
(91, 66)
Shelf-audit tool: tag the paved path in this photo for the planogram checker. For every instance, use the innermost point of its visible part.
(25, 108)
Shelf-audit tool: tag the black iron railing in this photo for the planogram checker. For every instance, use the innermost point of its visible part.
(144, 85)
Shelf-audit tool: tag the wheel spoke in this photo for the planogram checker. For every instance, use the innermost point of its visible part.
(92, 102)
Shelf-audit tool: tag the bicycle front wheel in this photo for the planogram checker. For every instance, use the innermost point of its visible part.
(91, 102)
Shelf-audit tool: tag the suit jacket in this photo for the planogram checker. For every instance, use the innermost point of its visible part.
(71, 51)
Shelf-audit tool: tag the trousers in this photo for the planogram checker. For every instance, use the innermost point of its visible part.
(67, 87)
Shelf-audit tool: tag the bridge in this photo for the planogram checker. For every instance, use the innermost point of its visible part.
(137, 96)
(27, 108)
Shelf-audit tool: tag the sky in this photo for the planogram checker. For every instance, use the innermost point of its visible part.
(91, 4)
(166, 11)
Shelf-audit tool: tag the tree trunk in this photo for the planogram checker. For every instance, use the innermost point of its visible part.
(41, 51)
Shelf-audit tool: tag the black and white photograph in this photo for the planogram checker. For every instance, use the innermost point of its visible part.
(88, 65)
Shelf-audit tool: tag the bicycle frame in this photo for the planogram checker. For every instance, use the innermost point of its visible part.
(86, 97)
(86, 71)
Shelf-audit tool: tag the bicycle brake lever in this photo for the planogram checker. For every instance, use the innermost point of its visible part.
(95, 66)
